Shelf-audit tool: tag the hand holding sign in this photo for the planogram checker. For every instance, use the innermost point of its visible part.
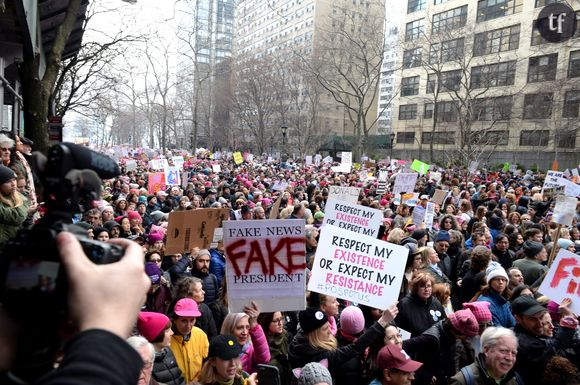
(389, 314)
(253, 313)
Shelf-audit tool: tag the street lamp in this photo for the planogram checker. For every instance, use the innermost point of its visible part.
(284, 129)
(392, 137)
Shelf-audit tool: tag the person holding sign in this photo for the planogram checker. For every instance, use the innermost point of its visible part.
(314, 342)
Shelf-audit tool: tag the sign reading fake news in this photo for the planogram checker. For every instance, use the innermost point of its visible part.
(563, 279)
(265, 263)
(357, 268)
(356, 218)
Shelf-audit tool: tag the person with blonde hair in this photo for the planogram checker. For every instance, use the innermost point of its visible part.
(14, 206)
(223, 365)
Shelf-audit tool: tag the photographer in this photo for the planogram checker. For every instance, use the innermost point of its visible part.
(14, 206)
(99, 353)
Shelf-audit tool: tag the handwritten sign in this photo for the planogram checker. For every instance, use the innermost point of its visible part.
(193, 228)
(418, 216)
(440, 196)
(308, 160)
(357, 268)
(382, 184)
(346, 159)
(265, 262)
(564, 210)
(563, 279)
(347, 194)
(156, 182)
(420, 167)
(405, 182)
(352, 217)
(429, 215)
(552, 179)
(238, 158)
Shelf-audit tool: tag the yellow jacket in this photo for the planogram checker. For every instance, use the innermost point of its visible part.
(190, 354)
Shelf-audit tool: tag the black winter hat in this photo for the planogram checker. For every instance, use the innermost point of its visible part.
(532, 248)
(224, 347)
(311, 319)
(6, 174)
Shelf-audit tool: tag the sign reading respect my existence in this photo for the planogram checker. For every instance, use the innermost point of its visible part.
(352, 217)
(265, 262)
(357, 268)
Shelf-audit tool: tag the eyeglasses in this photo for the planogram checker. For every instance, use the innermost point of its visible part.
(278, 321)
(443, 245)
(5, 149)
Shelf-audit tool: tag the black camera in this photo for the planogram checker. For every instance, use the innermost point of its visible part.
(33, 285)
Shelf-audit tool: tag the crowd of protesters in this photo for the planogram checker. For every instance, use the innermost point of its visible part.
(469, 301)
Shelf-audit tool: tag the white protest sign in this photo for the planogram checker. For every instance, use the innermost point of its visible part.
(382, 183)
(418, 216)
(352, 217)
(575, 172)
(131, 165)
(429, 215)
(571, 189)
(357, 268)
(216, 168)
(436, 176)
(405, 183)
(308, 160)
(178, 161)
(345, 168)
(172, 176)
(317, 159)
(562, 280)
(346, 158)
(327, 159)
(564, 210)
(553, 179)
(265, 263)
(156, 164)
(347, 194)
(280, 186)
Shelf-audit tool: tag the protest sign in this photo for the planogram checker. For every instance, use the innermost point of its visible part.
(308, 160)
(357, 268)
(218, 237)
(563, 279)
(435, 175)
(184, 179)
(344, 168)
(506, 167)
(439, 196)
(556, 179)
(575, 172)
(131, 165)
(193, 228)
(550, 192)
(382, 184)
(571, 189)
(418, 216)
(553, 179)
(216, 168)
(265, 263)
(172, 176)
(157, 164)
(405, 183)
(420, 167)
(327, 159)
(429, 215)
(564, 210)
(411, 199)
(347, 194)
(352, 217)
(346, 158)
(280, 186)
(178, 161)
(156, 182)
(238, 159)
(317, 159)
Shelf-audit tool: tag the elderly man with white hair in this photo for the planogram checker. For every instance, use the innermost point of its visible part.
(494, 365)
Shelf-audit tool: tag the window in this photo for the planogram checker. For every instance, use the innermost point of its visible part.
(446, 51)
(537, 38)
(571, 104)
(536, 138)
(542, 68)
(412, 58)
(492, 9)
(410, 86)
(493, 75)
(415, 5)
(449, 20)
(498, 40)
(486, 138)
(446, 112)
(405, 137)
(538, 106)
(448, 81)
(439, 1)
(492, 109)
(408, 112)
(431, 83)
(543, 3)
(414, 30)
(439, 137)
(428, 113)
(574, 64)
(566, 139)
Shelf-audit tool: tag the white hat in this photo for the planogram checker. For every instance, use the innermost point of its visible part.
(495, 270)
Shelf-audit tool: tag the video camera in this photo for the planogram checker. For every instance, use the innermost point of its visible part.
(33, 285)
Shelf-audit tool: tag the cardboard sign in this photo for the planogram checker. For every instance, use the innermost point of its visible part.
(265, 263)
(420, 167)
(172, 176)
(347, 194)
(405, 183)
(563, 279)
(440, 196)
(352, 217)
(238, 158)
(156, 182)
(193, 228)
(564, 210)
(131, 165)
(357, 268)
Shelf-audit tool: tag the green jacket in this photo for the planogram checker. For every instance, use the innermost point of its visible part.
(480, 376)
(11, 220)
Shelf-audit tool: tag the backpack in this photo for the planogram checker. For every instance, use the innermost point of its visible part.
(467, 372)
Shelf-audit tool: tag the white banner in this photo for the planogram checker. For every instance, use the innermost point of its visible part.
(564, 210)
(562, 281)
(358, 268)
(352, 217)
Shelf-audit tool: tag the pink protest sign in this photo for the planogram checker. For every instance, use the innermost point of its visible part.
(156, 182)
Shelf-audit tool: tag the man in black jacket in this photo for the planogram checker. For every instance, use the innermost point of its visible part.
(200, 269)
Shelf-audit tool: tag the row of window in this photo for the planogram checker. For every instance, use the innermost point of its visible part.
(540, 69)
(488, 9)
(536, 106)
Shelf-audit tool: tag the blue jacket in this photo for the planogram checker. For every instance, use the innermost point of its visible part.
(500, 309)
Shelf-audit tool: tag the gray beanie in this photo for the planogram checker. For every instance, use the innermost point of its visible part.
(314, 373)
(6, 174)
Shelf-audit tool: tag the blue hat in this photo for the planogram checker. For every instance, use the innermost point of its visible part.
(442, 236)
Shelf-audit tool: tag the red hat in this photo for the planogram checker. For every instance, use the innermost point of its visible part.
(393, 357)
(186, 307)
(464, 322)
(151, 324)
(480, 310)
(133, 215)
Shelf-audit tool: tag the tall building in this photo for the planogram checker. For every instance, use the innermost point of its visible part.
(479, 83)
(302, 33)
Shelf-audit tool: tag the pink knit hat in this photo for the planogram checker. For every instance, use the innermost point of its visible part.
(480, 310)
(151, 324)
(133, 215)
(464, 322)
(352, 320)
